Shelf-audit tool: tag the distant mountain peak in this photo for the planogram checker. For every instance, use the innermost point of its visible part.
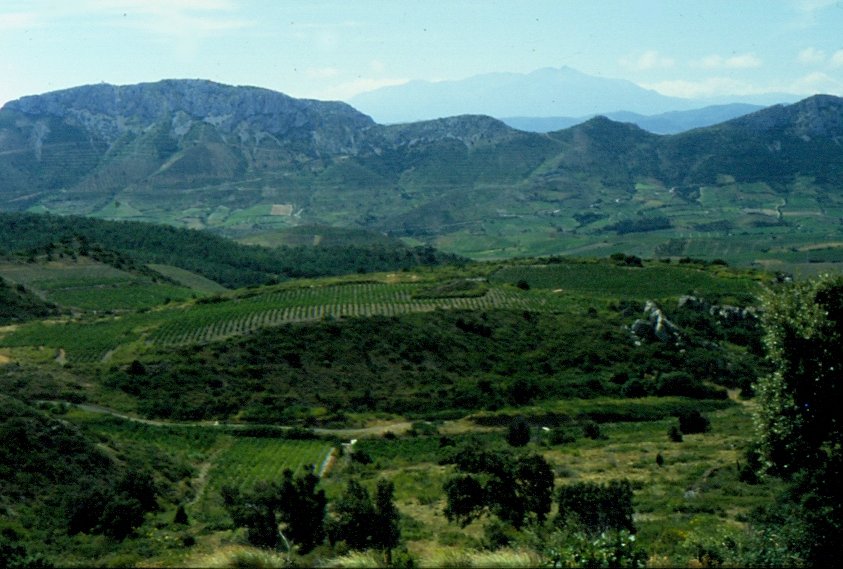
(548, 91)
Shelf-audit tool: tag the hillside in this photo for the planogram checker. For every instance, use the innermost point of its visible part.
(241, 161)
(135, 244)
(598, 358)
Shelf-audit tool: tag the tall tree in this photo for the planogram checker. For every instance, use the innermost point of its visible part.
(255, 511)
(302, 508)
(354, 517)
(295, 502)
(798, 413)
(798, 417)
(385, 532)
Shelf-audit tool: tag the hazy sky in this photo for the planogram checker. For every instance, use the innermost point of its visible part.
(335, 49)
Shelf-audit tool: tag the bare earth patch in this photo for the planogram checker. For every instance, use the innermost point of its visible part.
(285, 209)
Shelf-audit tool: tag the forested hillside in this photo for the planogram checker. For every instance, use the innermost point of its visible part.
(219, 259)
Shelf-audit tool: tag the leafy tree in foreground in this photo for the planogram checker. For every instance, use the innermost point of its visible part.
(295, 502)
(512, 488)
(798, 417)
(798, 414)
(386, 533)
(302, 509)
(362, 524)
(354, 516)
(255, 511)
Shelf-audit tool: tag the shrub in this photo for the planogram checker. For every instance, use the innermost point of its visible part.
(518, 433)
(692, 422)
(591, 430)
(562, 435)
(674, 434)
(596, 508)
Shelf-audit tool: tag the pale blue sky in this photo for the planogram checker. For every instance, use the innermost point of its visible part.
(335, 49)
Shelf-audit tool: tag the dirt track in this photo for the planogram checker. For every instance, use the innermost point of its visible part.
(350, 433)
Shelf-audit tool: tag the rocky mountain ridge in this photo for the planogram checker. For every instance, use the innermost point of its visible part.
(241, 159)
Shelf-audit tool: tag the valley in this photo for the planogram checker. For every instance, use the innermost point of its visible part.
(243, 329)
(233, 386)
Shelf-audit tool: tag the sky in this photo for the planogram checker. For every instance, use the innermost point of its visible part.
(332, 50)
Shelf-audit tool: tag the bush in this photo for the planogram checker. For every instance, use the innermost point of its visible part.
(674, 434)
(591, 430)
(562, 435)
(518, 434)
(692, 422)
(596, 508)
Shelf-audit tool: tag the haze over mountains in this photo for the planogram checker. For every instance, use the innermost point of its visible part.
(564, 95)
(672, 122)
(241, 160)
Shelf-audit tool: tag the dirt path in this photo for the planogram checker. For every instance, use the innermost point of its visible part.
(201, 481)
(397, 427)
(5, 359)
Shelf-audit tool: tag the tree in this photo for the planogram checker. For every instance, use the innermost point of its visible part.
(466, 499)
(691, 422)
(255, 511)
(518, 433)
(798, 414)
(302, 509)
(797, 420)
(509, 487)
(386, 535)
(295, 502)
(354, 516)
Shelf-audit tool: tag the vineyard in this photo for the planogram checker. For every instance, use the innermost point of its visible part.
(225, 459)
(248, 461)
(213, 318)
(216, 318)
(84, 284)
(240, 316)
(651, 281)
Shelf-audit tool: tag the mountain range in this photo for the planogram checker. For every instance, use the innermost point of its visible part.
(548, 92)
(240, 160)
(671, 122)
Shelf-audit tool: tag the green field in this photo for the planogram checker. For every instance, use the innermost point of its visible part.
(87, 285)
(656, 280)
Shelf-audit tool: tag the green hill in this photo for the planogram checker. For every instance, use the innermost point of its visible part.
(17, 304)
(221, 260)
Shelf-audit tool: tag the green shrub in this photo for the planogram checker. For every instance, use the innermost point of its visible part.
(692, 422)
(596, 508)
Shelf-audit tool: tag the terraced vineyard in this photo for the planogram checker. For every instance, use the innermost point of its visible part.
(647, 282)
(222, 317)
(243, 315)
(84, 284)
(552, 287)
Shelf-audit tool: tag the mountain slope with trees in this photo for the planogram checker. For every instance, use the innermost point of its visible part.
(241, 160)
(219, 259)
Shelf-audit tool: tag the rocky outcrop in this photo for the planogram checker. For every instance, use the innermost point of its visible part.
(655, 326)
(726, 314)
